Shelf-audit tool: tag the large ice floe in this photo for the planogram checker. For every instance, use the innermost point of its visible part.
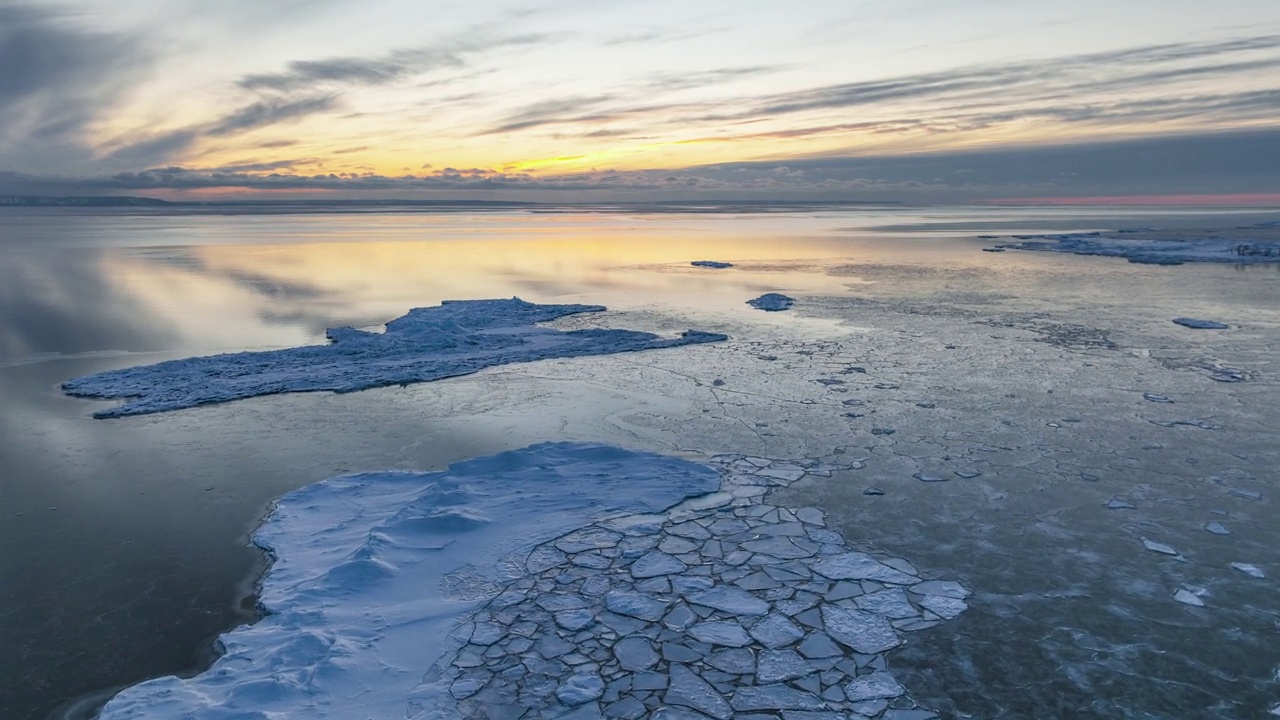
(1246, 244)
(457, 337)
(562, 581)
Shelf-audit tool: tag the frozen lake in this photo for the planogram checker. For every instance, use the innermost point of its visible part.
(1035, 422)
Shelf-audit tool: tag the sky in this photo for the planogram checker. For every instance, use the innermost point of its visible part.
(572, 100)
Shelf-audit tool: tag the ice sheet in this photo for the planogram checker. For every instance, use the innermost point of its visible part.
(458, 337)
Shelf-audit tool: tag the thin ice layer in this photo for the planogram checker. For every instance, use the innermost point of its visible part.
(373, 571)
(457, 337)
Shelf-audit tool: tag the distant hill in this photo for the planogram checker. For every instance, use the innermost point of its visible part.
(105, 201)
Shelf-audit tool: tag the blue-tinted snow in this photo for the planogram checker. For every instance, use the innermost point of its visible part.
(458, 337)
(371, 573)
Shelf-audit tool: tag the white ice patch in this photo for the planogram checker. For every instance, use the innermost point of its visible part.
(457, 337)
(373, 571)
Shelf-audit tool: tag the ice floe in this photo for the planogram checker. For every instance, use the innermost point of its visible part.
(457, 337)
(772, 302)
(1197, 324)
(714, 264)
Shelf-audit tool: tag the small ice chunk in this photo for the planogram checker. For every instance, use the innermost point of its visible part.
(775, 630)
(637, 605)
(716, 264)
(968, 474)
(1217, 528)
(1121, 505)
(774, 697)
(941, 588)
(689, 690)
(736, 661)
(863, 631)
(876, 686)
(859, 566)
(732, 600)
(1159, 547)
(656, 563)
(779, 665)
(1248, 569)
(772, 302)
(721, 632)
(1200, 324)
(944, 607)
(635, 654)
(927, 478)
(1152, 397)
(1188, 597)
(580, 688)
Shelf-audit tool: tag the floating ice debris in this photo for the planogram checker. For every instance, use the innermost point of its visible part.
(1121, 505)
(454, 338)
(1217, 528)
(772, 302)
(1152, 397)
(1188, 596)
(711, 264)
(1245, 493)
(968, 474)
(712, 654)
(1159, 547)
(1200, 324)
(873, 491)
(363, 594)
(926, 478)
(1255, 244)
(1251, 570)
(883, 431)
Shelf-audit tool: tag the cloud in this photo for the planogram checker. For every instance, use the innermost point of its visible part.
(1231, 162)
(394, 66)
(1158, 83)
(58, 78)
(269, 112)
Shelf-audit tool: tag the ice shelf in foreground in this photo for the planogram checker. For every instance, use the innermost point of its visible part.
(371, 572)
(1246, 244)
(457, 337)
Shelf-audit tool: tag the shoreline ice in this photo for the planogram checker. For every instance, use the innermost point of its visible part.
(457, 337)
(1242, 245)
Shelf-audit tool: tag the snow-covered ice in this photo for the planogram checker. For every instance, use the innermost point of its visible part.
(457, 337)
(372, 572)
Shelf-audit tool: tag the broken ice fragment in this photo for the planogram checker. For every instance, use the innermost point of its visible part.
(772, 302)
(1200, 324)
(923, 477)
(656, 563)
(716, 264)
(1217, 528)
(1247, 569)
(864, 632)
(875, 686)
(732, 600)
(691, 691)
(1121, 505)
(1188, 597)
(1158, 547)
(579, 689)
